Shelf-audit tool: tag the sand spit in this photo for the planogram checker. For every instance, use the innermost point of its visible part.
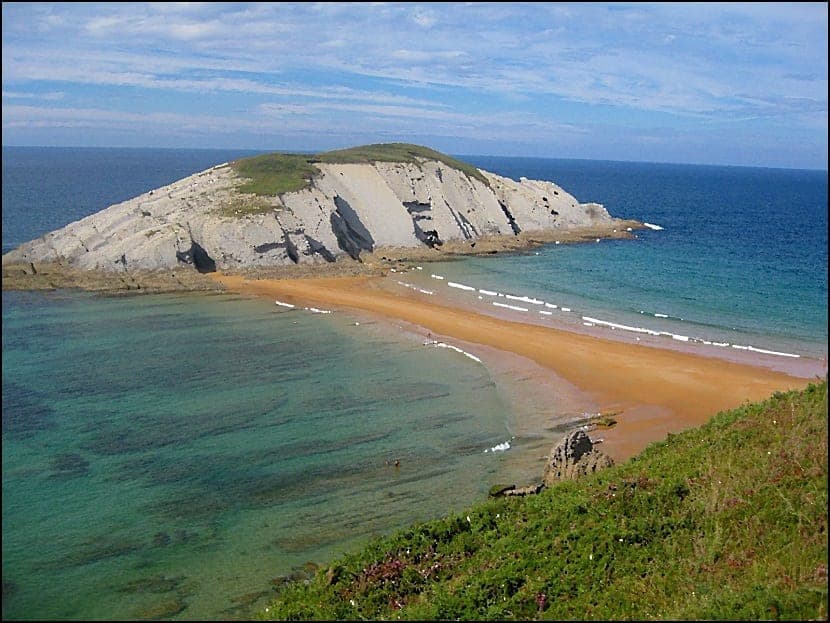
(656, 391)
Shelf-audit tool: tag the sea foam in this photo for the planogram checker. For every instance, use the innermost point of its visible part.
(513, 307)
(501, 447)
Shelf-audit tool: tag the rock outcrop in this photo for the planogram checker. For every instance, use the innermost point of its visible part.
(205, 223)
(572, 457)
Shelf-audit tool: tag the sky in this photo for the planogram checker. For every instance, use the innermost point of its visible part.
(734, 84)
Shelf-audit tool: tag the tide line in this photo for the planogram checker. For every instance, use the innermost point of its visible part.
(460, 286)
(685, 338)
(451, 347)
(513, 307)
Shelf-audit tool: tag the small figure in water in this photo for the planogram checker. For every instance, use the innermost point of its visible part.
(397, 463)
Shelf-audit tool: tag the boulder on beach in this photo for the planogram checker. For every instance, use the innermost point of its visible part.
(572, 457)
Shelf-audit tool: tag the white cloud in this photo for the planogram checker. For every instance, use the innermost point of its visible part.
(718, 63)
(51, 96)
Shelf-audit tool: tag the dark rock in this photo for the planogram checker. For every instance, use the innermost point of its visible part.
(315, 246)
(523, 491)
(198, 257)
(69, 465)
(290, 248)
(249, 599)
(572, 457)
(161, 610)
(499, 490)
(268, 246)
(510, 218)
(152, 584)
(9, 588)
(352, 235)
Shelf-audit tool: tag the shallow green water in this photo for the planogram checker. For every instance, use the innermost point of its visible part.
(179, 454)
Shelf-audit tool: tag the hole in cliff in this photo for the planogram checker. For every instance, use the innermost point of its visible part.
(198, 258)
(201, 260)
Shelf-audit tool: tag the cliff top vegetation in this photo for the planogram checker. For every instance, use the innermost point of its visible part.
(278, 173)
(726, 521)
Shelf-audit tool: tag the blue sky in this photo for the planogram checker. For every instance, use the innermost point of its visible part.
(742, 84)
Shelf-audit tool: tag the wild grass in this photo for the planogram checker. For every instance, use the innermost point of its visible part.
(398, 152)
(245, 205)
(727, 521)
(274, 174)
(277, 173)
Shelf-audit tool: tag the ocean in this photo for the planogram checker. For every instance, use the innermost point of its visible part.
(178, 456)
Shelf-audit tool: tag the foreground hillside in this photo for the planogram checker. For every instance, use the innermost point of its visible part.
(728, 521)
(283, 210)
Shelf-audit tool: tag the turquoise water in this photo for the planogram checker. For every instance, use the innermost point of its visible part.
(181, 455)
(172, 452)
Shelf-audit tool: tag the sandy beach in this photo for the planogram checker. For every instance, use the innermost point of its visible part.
(654, 391)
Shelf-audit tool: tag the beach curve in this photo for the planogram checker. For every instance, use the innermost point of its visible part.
(654, 391)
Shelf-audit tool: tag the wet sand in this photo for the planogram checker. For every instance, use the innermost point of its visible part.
(655, 391)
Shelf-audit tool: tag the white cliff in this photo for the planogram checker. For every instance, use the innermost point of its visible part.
(204, 221)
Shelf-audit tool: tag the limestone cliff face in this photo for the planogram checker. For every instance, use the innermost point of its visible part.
(203, 221)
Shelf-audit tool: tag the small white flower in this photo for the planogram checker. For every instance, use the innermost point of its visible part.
(468, 519)
(621, 540)
(590, 556)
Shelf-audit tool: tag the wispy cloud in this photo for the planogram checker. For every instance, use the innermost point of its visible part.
(548, 63)
(50, 97)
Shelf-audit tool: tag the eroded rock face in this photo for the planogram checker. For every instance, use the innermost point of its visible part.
(203, 223)
(572, 457)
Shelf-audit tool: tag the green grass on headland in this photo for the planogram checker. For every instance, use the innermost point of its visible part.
(275, 174)
(726, 521)
(398, 152)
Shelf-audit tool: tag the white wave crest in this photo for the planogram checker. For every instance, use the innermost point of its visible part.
(501, 447)
(513, 307)
(460, 286)
(455, 348)
(524, 299)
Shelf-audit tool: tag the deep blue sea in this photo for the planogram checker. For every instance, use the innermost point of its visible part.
(179, 455)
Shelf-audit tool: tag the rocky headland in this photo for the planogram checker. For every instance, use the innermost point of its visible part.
(277, 215)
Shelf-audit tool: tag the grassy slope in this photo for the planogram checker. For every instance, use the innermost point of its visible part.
(275, 174)
(727, 521)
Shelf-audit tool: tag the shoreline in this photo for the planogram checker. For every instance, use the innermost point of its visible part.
(655, 391)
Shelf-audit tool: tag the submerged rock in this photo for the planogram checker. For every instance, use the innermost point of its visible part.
(69, 465)
(572, 457)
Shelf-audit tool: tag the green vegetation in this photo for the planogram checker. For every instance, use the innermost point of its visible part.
(275, 174)
(397, 152)
(727, 521)
(242, 205)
